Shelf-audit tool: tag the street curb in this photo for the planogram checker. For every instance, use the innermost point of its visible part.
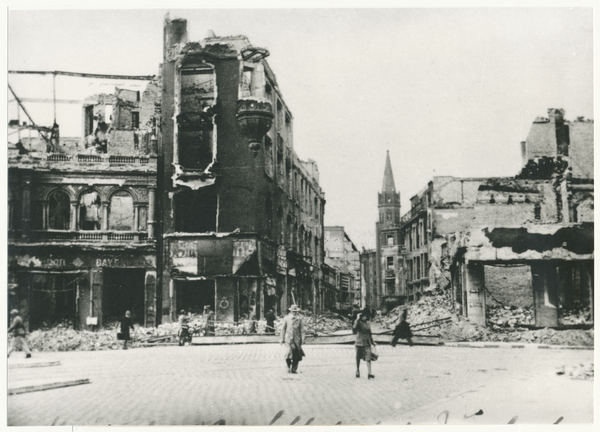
(511, 345)
(34, 364)
(46, 386)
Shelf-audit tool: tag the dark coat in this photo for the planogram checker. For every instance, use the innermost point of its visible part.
(126, 324)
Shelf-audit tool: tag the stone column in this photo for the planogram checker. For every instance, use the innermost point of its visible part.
(545, 294)
(74, 216)
(151, 214)
(136, 217)
(105, 216)
(44, 215)
(475, 279)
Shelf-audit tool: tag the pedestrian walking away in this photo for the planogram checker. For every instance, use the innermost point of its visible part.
(292, 335)
(402, 330)
(270, 317)
(353, 314)
(209, 326)
(18, 341)
(126, 324)
(364, 342)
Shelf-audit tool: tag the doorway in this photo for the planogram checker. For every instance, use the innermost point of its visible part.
(123, 291)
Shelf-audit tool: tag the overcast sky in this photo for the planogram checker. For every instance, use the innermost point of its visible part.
(446, 91)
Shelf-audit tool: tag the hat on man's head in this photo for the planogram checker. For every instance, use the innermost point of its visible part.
(14, 312)
(294, 308)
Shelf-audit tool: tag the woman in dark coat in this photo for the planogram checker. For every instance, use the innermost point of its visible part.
(364, 341)
(126, 324)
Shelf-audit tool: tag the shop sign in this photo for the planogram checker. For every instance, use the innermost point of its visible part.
(282, 260)
(184, 256)
(242, 251)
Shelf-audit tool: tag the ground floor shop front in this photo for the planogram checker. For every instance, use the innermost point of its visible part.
(238, 277)
(85, 289)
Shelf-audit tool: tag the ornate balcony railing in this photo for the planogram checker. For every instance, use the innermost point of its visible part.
(86, 236)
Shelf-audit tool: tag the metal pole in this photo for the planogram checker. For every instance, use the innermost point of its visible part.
(54, 94)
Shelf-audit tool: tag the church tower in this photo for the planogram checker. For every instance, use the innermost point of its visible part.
(389, 259)
(389, 199)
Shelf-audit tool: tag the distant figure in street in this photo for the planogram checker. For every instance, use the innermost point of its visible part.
(270, 317)
(182, 322)
(402, 330)
(18, 341)
(209, 326)
(126, 324)
(250, 326)
(292, 335)
(353, 314)
(364, 341)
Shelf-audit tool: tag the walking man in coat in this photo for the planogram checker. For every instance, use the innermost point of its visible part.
(18, 329)
(292, 335)
(126, 324)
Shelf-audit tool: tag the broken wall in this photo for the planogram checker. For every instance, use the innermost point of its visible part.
(581, 149)
(541, 140)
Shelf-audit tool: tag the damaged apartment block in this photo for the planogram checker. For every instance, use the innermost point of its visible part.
(242, 215)
(524, 241)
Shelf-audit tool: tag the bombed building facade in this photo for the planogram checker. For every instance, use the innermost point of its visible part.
(184, 195)
(526, 239)
(81, 238)
(343, 259)
(241, 214)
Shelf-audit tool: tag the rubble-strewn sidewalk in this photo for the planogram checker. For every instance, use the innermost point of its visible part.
(505, 325)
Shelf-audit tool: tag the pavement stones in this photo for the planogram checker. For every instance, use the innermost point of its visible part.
(248, 384)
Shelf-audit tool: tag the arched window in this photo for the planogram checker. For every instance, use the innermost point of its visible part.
(90, 211)
(120, 212)
(59, 210)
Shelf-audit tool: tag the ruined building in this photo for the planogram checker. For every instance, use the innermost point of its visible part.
(343, 260)
(241, 214)
(185, 195)
(524, 241)
(81, 237)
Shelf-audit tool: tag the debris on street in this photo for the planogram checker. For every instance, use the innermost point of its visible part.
(504, 323)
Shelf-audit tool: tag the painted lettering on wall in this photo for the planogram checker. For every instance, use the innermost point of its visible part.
(184, 256)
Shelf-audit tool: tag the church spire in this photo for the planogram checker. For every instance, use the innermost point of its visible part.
(388, 176)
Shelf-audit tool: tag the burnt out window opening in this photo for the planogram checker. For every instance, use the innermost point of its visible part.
(280, 163)
(390, 263)
(121, 212)
(90, 211)
(197, 93)
(59, 210)
(537, 211)
(196, 211)
(135, 119)
(53, 299)
(288, 173)
(247, 82)
(390, 240)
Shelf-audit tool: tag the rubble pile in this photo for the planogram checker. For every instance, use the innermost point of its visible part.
(576, 316)
(498, 315)
(426, 309)
(64, 338)
(503, 324)
(323, 323)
